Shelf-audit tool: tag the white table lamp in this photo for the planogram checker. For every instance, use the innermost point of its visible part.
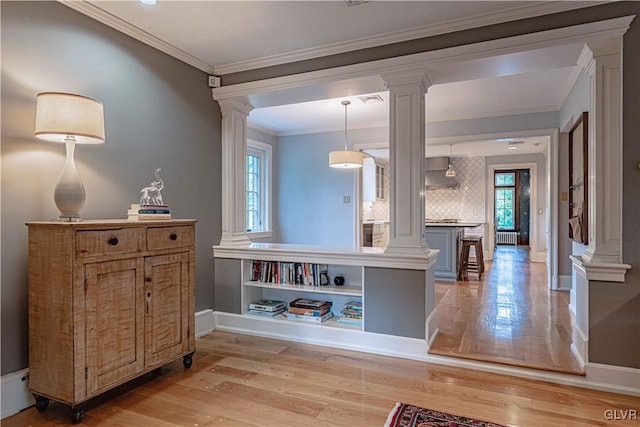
(72, 119)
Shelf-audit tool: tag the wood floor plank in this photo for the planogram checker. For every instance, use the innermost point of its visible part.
(510, 316)
(240, 380)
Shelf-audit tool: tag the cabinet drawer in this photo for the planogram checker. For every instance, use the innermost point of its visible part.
(108, 242)
(169, 237)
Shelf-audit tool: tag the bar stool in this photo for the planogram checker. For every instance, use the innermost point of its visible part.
(465, 265)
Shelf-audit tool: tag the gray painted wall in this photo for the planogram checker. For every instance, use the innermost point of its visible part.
(158, 113)
(394, 302)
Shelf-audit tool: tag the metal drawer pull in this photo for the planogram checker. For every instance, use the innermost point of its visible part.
(173, 236)
(113, 241)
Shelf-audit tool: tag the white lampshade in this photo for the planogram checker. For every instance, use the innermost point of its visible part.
(345, 159)
(63, 115)
(72, 119)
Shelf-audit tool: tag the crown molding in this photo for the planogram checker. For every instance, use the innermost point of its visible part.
(513, 14)
(262, 129)
(100, 15)
(563, 35)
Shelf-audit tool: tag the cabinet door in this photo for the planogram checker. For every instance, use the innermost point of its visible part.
(114, 318)
(166, 308)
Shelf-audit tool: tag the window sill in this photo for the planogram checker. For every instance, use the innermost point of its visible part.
(259, 234)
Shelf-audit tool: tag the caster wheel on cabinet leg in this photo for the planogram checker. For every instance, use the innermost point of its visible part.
(77, 414)
(187, 360)
(42, 403)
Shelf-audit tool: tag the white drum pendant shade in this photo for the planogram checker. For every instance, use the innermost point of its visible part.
(345, 159)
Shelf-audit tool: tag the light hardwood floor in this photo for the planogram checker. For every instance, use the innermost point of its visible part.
(509, 317)
(240, 380)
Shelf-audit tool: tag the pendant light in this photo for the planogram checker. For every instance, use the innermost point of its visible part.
(451, 172)
(345, 159)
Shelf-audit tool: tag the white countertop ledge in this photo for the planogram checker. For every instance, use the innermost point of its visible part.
(359, 256)
(453, 224)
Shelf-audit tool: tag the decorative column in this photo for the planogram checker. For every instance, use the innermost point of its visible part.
(234, 154)
(407, 160)
(602, 62)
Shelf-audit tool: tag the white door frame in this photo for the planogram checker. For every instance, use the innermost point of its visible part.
(533, 222)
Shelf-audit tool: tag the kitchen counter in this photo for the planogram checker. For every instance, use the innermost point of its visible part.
(453, 224)
(446, 237)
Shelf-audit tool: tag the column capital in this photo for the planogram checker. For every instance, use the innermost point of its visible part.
(406, 77)
(227, 106)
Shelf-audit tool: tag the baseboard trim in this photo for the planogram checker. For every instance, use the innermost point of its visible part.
(626, 380)
(564, 283)
(14, 393)
(348, 339)
(205, 322)
(608, 378)
(579, 344)
(431, 326)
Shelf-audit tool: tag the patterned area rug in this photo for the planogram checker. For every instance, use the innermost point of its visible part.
(403, 415)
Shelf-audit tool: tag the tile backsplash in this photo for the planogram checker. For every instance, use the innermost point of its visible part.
(466, 203)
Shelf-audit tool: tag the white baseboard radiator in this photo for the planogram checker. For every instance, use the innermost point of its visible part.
(507, 237)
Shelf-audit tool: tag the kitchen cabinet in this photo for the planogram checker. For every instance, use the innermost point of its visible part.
(447, 237)
(373, 176)
(108, 301)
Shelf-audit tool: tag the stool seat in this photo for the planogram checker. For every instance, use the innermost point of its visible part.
(465, 265)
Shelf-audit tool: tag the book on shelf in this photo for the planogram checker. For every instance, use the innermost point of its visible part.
(142, 217)
(308, 303)
(265, 313)
(320, 311)
(288, 273)
(348, 321)
(267, 305)
(304, 318)
(140, 212)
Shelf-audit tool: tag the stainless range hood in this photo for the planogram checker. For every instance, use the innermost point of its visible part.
(435, 178)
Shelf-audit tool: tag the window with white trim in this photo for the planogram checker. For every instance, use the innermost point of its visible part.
(258, 188)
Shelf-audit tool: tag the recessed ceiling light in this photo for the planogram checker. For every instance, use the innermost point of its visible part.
(149, 2)
(513, 147)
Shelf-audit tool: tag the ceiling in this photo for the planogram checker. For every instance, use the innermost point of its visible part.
(228, 36)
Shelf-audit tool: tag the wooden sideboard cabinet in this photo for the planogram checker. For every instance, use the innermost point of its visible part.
(109, 301)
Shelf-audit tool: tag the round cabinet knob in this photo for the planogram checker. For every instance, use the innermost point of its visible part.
(113, 241)
(173, 236)
(338, 280)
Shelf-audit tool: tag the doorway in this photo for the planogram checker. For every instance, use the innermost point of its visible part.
(512, 196)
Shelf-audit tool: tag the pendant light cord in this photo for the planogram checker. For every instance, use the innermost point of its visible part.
(345, 103)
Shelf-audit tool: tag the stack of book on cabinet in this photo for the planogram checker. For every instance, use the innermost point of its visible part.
(288, 273)
(351, 314)
(309, 310)
(148, 212)
(266, 307)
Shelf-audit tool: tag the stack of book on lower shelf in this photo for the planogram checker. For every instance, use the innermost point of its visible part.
(351, 314)
(148, 212)
(267, 307)
(309, 310)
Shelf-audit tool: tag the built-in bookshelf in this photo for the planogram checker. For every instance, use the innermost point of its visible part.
(285, 281)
